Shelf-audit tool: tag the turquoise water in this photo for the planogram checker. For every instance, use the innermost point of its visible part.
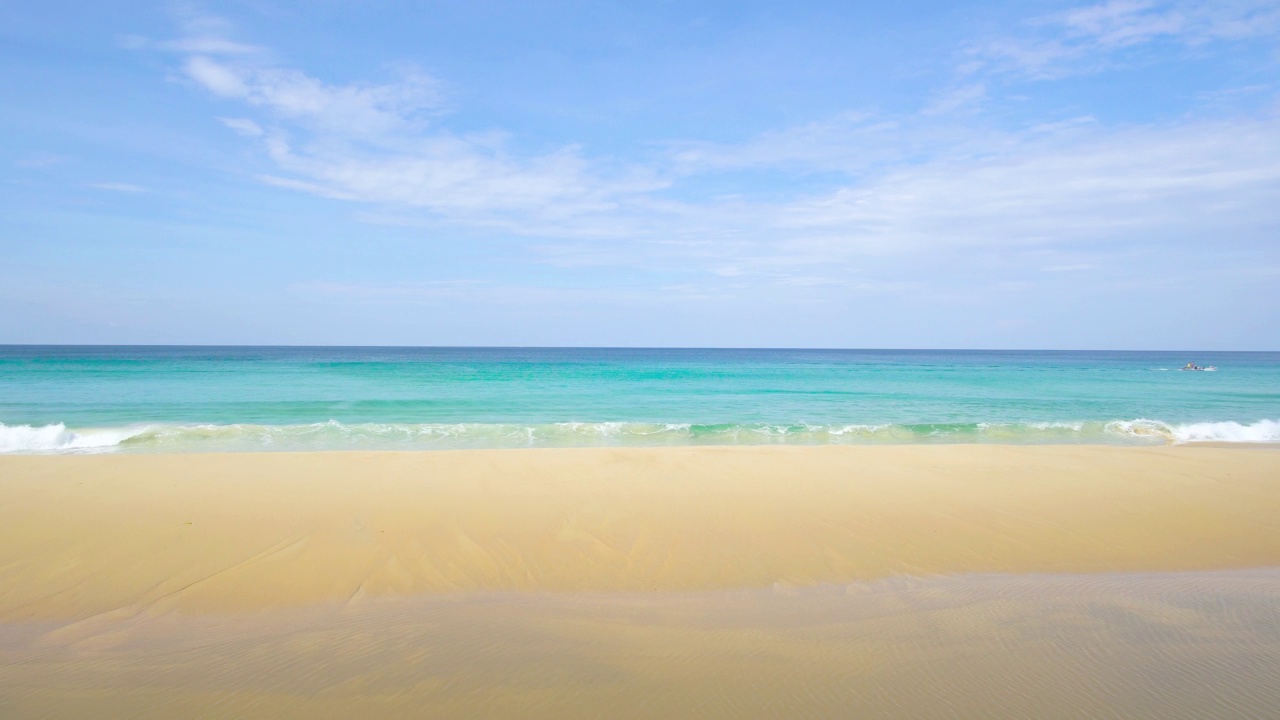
(162, 399)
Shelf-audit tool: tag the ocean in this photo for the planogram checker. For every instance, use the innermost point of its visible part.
(77, 399)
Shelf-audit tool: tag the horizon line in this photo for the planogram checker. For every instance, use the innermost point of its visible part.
(611, 347)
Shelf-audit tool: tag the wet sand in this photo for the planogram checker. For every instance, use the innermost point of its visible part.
(1159, 646)
(690, 582)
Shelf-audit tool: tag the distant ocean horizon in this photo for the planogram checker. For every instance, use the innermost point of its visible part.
(158, 398)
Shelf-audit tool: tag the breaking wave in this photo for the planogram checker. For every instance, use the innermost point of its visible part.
(333, 435)
(57, 438)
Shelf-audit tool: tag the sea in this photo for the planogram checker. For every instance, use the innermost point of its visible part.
(100, 399)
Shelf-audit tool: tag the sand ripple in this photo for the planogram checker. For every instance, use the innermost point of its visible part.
(1160, 645)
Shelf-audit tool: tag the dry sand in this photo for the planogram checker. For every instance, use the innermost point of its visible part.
(81, 536)
(641, 583)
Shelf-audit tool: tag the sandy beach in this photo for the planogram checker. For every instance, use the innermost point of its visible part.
(640, 361)
(82, 536)
(214, 560)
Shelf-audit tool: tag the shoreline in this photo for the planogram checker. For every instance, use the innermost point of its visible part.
(322, 436)
(127, 534)
(117, 452)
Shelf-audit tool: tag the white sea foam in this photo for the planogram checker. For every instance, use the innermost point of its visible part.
(57, 438)
(333, 435)
(1140, 428)
(1263, 431)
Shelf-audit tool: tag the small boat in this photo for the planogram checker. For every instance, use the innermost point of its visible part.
(1198, 368)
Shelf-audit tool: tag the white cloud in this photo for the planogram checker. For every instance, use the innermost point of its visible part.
(459, 180)
(244, 126)
(1152, 184)
(904, 184)
(371, 143)
(1081, 39)
(1123, 22)
(1052, 187)
(216, 78)
(363, 110)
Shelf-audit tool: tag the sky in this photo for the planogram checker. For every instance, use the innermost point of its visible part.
(1032, 174)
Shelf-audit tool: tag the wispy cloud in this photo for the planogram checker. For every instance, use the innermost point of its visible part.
(1120, 23)
(360, 110)
(902, 183)
(1149, 184)
(376, 143)
(1084, 38)
(244, 126)
(461, 180)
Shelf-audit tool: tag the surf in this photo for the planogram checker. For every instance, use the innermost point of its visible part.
(335, 435)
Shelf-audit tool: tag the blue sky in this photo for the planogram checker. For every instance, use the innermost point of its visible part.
(998, 174)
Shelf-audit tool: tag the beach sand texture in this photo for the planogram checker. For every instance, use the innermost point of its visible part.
(716, 582)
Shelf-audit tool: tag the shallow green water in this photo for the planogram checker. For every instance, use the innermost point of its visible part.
(77, 399)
